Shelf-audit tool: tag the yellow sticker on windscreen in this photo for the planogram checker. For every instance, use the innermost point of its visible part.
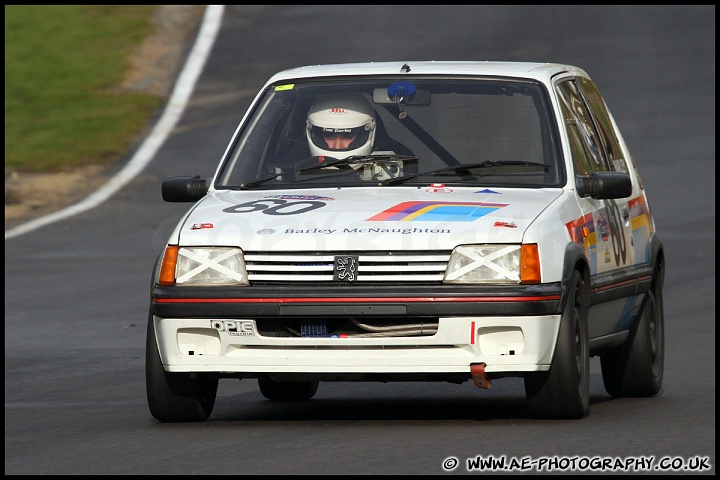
(289, 86)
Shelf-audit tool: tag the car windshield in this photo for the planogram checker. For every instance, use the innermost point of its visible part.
(390, 131)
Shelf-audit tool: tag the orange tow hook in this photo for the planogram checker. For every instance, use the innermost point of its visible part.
(477, 370)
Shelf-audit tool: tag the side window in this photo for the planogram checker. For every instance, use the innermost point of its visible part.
(584, 141)
(602, 119)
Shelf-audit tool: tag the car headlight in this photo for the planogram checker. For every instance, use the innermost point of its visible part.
(493, 264)
(203, 266)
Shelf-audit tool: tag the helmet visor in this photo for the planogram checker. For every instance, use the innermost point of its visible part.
(340, 139)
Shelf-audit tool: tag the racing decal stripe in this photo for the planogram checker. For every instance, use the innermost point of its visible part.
(641, 221)
(575, 228)
(620, 284)
(639, 210)
(641, 229)
(436, 211)
(638, 206)
(359, 300)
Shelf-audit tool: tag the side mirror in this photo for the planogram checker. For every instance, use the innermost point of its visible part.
(184, 189)
(604, 185)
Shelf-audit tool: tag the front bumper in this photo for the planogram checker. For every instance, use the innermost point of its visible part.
(512, 332)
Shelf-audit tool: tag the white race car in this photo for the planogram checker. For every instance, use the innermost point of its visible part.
(417, 221)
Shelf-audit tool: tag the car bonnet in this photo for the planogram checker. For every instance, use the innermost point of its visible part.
(434, 217)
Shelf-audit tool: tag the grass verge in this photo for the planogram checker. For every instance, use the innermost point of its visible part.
(63, 69)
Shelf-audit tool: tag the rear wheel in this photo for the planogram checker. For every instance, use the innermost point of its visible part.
(176, 397)
(287, 391)
(564, 391)
(635, 368)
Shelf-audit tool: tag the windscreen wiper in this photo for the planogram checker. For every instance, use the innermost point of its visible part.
(358, 159)
(334, 163)
(470, 166)
(259, 181)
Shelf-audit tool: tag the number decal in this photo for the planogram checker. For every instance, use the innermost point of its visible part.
(251, 206)
(275, 206)
(617, 235)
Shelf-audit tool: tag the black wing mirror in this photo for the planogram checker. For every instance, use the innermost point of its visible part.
(184, 189)
(604, 185)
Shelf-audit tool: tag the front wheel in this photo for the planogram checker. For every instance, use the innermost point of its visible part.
(176, 397)
(635, 368)
(564, 391)
(287, 391)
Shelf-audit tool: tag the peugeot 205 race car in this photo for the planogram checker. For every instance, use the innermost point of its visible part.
(412, 221)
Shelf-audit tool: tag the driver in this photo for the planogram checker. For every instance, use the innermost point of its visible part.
(341, 125)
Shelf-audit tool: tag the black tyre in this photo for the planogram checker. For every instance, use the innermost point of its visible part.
(564, 391)
(287, 391)
(635, 368)
(176, 397)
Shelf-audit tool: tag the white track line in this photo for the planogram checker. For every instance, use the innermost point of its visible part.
(174, 109)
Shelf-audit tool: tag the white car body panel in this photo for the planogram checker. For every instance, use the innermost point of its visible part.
(353, 218)
(610, 242)
(506, 344)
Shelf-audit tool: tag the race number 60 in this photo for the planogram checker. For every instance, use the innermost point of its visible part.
(275, 206)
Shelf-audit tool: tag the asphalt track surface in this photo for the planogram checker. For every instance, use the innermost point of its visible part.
(77, 289)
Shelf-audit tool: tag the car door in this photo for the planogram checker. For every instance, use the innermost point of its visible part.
(595, 148)
(605, 228)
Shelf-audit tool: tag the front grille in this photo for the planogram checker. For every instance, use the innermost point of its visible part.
(337, 327)
(401, 267)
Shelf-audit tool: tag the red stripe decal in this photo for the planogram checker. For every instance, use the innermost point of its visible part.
(620, 284)
(357, 300)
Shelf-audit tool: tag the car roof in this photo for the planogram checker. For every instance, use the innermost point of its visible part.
(539, 71)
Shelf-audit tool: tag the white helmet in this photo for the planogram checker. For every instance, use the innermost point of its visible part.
(344, 113)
